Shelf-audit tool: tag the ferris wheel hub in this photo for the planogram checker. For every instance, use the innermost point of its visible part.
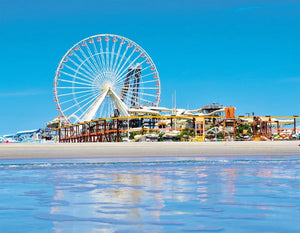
(106, 86)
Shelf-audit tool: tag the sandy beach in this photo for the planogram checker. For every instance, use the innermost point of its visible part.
(149, 149)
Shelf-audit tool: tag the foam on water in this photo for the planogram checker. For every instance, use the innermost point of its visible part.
(207, 194)
(7, 164)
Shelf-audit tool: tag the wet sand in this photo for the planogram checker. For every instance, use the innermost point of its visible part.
(147, 149)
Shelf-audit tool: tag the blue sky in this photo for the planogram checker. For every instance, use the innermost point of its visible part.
(240, 53)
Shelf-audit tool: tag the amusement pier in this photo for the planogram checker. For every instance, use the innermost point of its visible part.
(107, 89)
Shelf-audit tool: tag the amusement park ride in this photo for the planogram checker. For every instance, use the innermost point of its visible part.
(107, 86)
(109, 76)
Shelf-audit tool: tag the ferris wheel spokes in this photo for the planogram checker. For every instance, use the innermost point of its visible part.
(117, 57)
(92, 56)
(120, 69)
(77, 98)
(75, 77)
(120, 62)
(112, 55)
(68, 81)
(84, 105)
(78, 103)
(80, 67)
(102, 54)
(82, 63)
(97, 55)
(78, 72)
(93, 67)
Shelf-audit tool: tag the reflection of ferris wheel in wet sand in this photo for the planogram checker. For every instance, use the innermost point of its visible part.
(104, 76)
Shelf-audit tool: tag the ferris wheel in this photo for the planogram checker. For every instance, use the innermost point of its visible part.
(103, 76)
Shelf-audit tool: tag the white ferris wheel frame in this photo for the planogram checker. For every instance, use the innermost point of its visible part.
(121, 73)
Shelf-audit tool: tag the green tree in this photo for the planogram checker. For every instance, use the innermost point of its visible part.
(243, 129)
(160, 137)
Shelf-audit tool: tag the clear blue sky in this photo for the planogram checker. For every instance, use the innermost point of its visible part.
(240, 53)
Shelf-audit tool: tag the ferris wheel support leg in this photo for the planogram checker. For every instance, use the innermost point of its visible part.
(118, 103)
(95, 106)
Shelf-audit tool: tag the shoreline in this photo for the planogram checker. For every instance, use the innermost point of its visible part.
(146, 149)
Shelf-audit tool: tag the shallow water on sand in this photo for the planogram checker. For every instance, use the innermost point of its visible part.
(208, 194)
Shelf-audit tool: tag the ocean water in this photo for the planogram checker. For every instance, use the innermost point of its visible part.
(207, 194)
